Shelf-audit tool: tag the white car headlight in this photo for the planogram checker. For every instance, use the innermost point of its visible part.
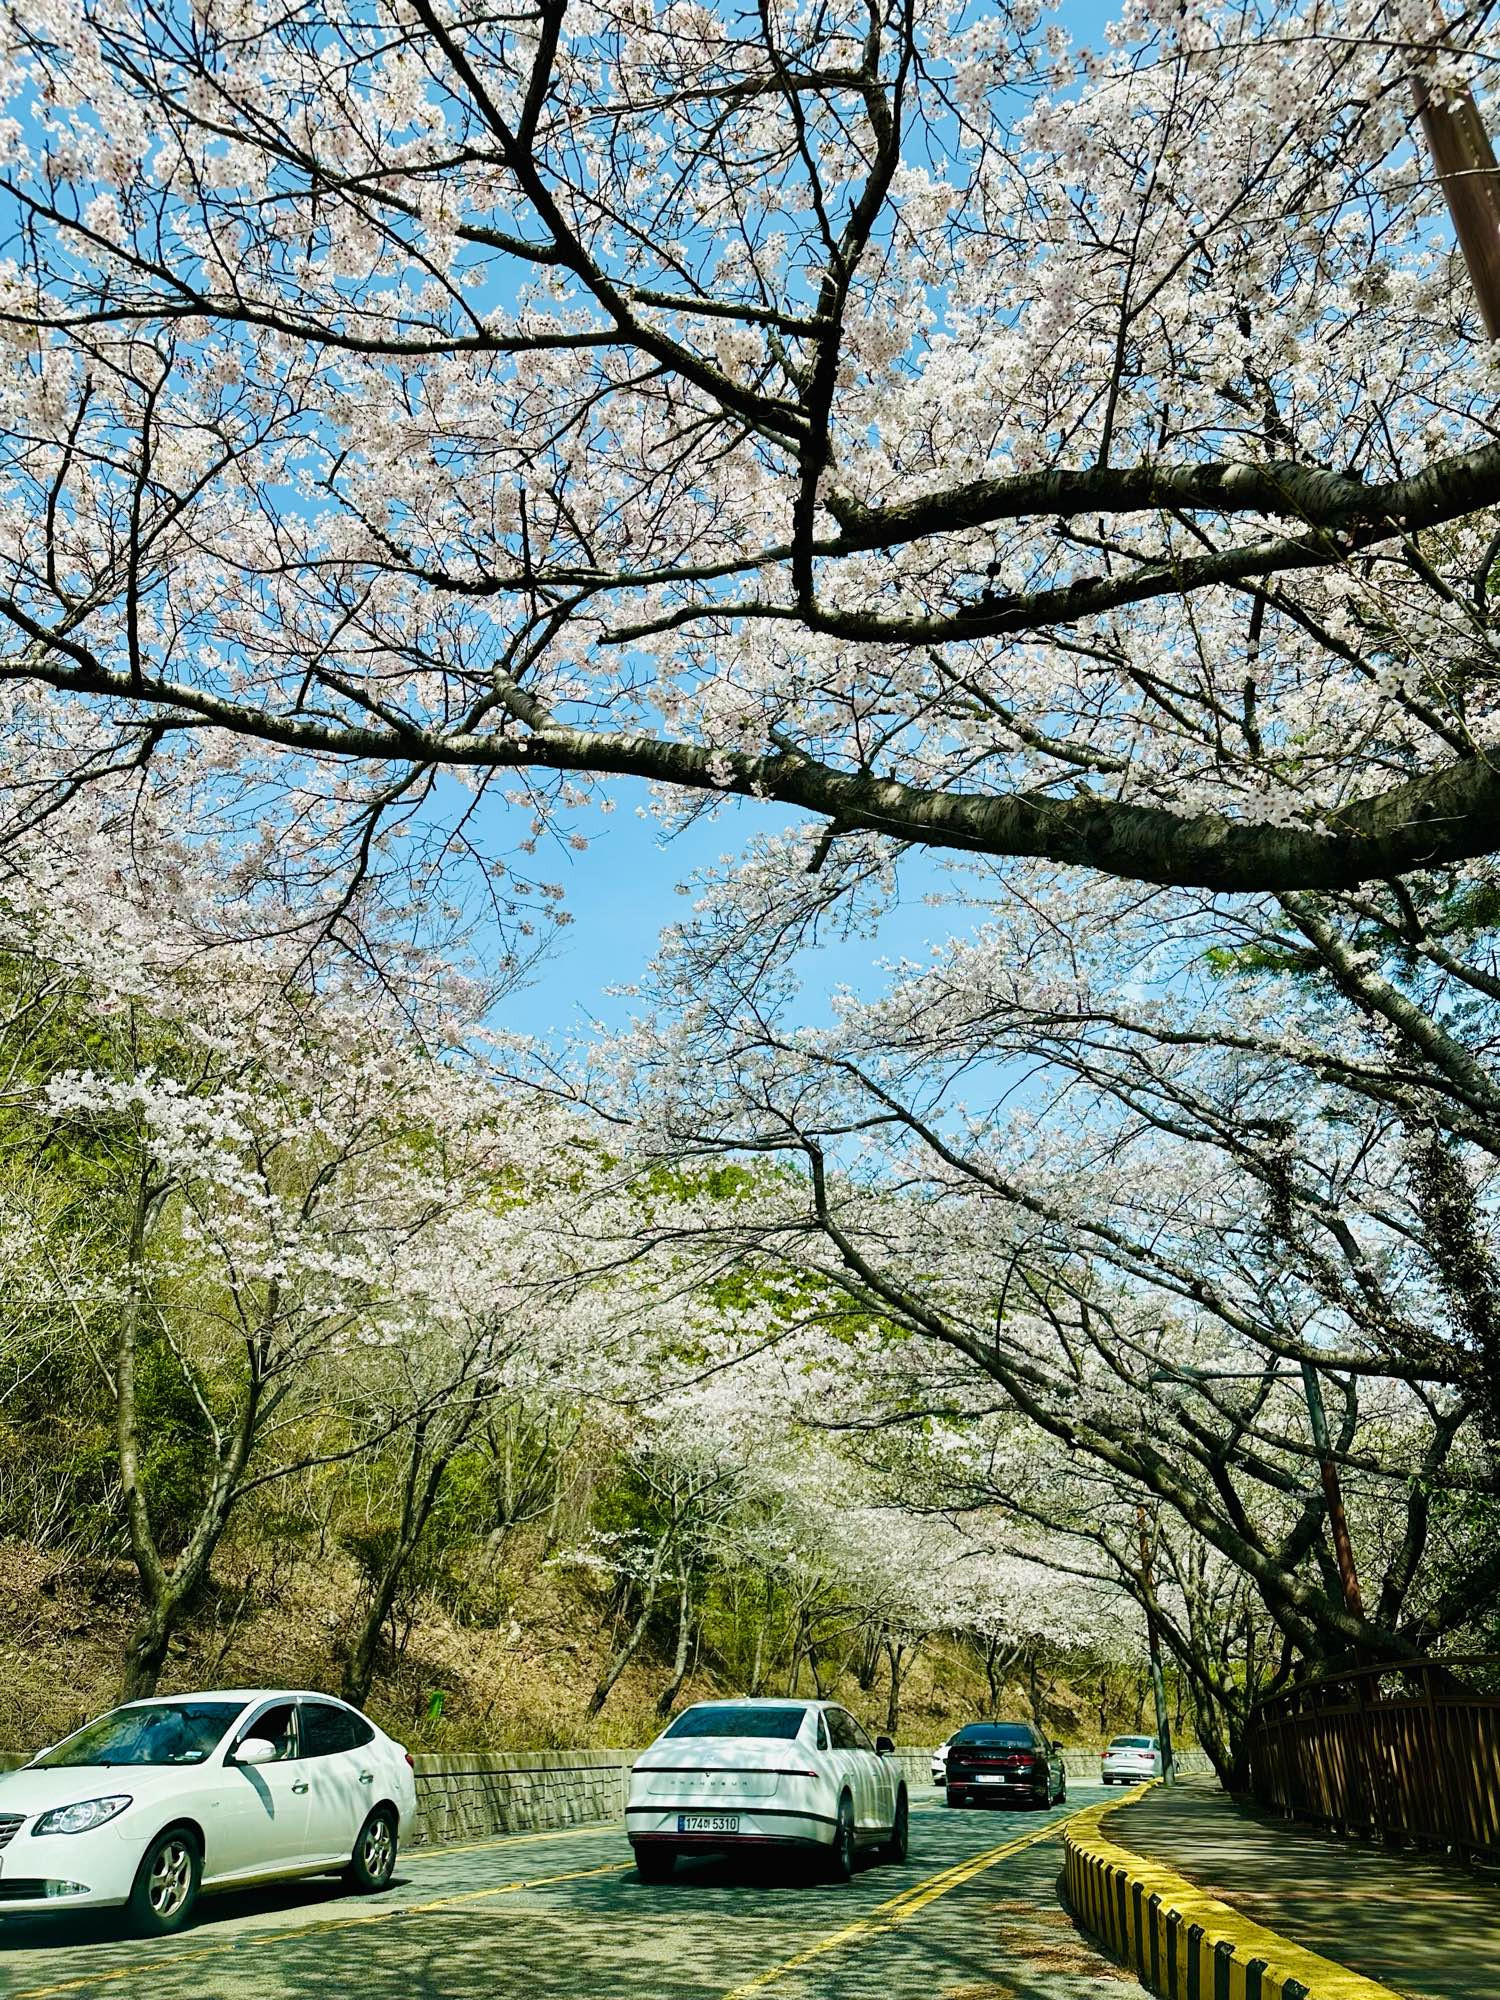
(83, 1817)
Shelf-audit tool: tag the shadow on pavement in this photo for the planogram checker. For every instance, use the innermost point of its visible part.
(60, 1932)
(1413, 1921)
(745, 1871)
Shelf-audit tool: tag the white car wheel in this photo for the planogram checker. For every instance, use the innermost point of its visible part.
(374, 1859)
(841, 1858)
(166, 1884)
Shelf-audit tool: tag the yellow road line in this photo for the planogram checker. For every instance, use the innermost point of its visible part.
(155, 1968)
(412, 1855)
(900, 1909)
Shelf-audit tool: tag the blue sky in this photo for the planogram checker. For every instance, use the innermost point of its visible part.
(623, 889)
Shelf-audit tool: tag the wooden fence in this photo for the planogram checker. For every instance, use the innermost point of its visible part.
(1400, 1753)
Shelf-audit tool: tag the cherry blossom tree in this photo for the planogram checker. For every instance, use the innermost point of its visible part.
(906, 414)
(322, 1230)
(1135, 1168)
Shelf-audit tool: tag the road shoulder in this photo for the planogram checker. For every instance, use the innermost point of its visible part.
(1169, 1877)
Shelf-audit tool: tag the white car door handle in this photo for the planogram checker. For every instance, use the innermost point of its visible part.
(299, 1788)
(367, 1777)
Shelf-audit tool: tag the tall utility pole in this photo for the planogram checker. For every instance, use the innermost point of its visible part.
(1470, 180)
(1153, 1641)
(1333, 1492)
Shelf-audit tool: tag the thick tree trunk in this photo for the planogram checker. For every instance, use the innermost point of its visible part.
(868, 1664)
(756, 1663)
(997, 1667)
(900, 1658)
(1034, 1688)
(670, 1692)
(359, 1667)
(801, 1645)
(419, 1494)
(631, 1643)
(166, 1588)
(146, 1650)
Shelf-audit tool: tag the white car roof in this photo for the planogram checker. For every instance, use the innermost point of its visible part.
(765, 1701)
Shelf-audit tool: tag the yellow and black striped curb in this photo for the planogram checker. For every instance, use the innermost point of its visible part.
(1185, 1945)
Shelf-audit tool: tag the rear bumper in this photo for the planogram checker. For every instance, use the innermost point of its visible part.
(976, 1794)
(655, 1826)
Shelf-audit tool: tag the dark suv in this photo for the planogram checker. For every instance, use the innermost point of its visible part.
(1005, 1763)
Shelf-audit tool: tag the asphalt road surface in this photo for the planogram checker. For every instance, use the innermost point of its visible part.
(973, 1915)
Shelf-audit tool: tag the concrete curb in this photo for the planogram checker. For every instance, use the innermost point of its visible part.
(1183, 1944)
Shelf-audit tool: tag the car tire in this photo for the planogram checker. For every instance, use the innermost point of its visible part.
(894, 1849)
(655, 1863)
(956, 1796)
(373, 1861)
(166, 1884)
(841, 1855)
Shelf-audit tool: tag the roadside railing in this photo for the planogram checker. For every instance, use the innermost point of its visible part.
(1407, 1752)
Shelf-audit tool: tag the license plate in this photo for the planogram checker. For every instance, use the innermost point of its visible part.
(990, 1778)
(708, 1822)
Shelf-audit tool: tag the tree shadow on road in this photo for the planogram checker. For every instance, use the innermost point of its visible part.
(308, 1894)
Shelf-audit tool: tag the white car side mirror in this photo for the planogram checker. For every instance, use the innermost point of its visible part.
(255, 1750)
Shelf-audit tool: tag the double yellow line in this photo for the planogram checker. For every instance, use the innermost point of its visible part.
(900, 1909)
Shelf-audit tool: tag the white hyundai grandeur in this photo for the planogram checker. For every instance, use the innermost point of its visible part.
(154, 1801)
(728, 1775)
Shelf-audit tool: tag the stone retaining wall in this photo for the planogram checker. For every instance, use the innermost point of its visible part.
(471, 1795)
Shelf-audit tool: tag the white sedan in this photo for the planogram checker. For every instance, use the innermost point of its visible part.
(730, 1775)
(940, 1763)
(1129, 1759)
(154, 1801)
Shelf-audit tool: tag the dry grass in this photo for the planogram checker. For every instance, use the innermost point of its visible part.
(515, 1669)
(516, 1675)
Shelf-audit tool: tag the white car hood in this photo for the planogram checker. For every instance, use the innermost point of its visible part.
(30, 1792)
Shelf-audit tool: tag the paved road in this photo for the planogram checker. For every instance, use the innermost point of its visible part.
(563, 1916)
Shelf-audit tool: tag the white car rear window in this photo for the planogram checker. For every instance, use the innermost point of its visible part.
(739, 1719)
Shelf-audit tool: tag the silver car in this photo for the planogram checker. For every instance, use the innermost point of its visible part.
(1130, 1760)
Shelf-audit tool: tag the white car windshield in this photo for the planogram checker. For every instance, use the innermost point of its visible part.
(158, 1732)
(1133, 1743)
(737, 1720)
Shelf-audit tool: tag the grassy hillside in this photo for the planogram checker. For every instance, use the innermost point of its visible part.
(511, 1666)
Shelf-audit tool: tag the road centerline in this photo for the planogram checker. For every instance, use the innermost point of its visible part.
(900, 1909)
